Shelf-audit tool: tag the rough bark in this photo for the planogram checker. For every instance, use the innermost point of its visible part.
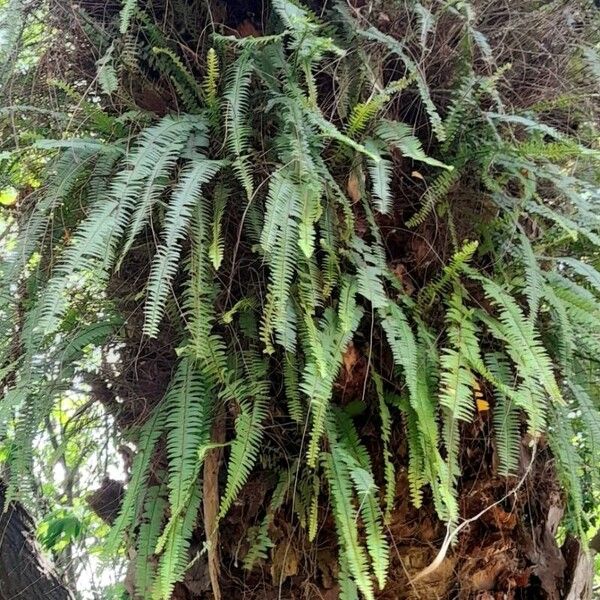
(24, 572)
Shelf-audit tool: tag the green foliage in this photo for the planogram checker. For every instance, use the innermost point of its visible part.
(263, 240)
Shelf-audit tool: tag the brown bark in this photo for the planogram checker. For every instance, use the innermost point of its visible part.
(24, 572)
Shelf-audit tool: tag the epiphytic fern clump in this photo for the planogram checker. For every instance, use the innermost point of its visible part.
(279, 202)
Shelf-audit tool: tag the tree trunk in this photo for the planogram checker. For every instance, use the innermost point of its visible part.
(24, 572)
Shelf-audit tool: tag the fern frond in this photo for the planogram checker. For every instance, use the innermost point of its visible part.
(340, 484)
(149, 532)
(582, 269)
(400, 136)
(398, 48)
(178, 214)
(236, 105)
(568, 462)
(380, 172)
(361, 114)
(106, 73)
(127, 11)
(435, 193)
(533, 277)
(524, 345)
(217, 246)
(590, 417)
(153, 164)
(386, 437)
(456, 379)
(182, 73)
(336, 331)
(174, 559)
(458, 263)
(361, 472)
(249, 430)
(189, 416)
(211, 80)
(280, 239)
(505, 417)
(149, 436)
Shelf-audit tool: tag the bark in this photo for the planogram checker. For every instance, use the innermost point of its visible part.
(24, 571)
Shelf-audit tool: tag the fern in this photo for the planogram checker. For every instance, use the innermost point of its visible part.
(189, 411)
(590, 416)
(506, 417)
(523, 342)
(336, 332)
(127, 11)
(360, 472)
(458, 263)
(380, 171)
(217, 244)
(568, 463)
(386, 436)
(280, 239)
(210, 83)
(162, 156)
(179, 211)
(149, 436)
(174, 559)
(434, 194)
(262, 542)
(345, 516)
(399, 135)
(235, 98)
(249, 432)
(154, 509)
(456, 381)
(107, 75)
(258, 333)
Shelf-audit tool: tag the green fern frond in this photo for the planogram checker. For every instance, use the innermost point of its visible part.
(211, 79)
(94, 243)
(280, 239)
(459, 261)
(583, 269)
(590, 417)
(336, 331)
(361, 473)
(290, 381)
(262, 542)
(236, 106)
(386, 436)
(149, 532)
(153, 166)
(181, 74)
(127, 11)
(399, 135)
(174, 559)
(188, 191)
(189, 416)
(217, 246)
(569, 464)
(380, 172)
(505, 417)
(457, 380)
(361, 114)
(107, 74)
(533, 276)
(523, 342)
(149, 436)
(435, 193)
(249, 430)
(345, 514)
